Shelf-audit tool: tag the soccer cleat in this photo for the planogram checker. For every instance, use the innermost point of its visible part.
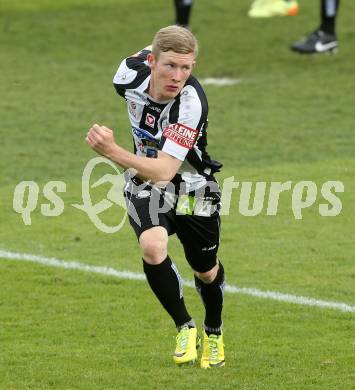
(187, 341)
(269, 8)
(213, 351)
(316, 42)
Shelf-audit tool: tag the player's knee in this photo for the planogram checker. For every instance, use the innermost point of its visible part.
(209, 276)
(154, 245)
(154, 251)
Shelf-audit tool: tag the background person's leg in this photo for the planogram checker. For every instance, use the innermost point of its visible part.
(183, 12)
(329, 10)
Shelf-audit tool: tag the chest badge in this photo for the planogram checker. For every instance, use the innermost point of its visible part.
(150, 120)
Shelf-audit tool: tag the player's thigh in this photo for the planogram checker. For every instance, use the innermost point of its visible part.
(142, 217)
(200, 237)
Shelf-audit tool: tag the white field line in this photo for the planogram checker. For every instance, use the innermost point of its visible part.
(220, 82)
(52, 261)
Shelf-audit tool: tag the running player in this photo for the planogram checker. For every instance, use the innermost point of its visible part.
(173, 190)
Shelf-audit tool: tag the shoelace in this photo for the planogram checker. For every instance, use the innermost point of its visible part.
(213, 348)
(182, 338)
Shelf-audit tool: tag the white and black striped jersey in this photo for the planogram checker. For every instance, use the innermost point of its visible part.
(177, 127)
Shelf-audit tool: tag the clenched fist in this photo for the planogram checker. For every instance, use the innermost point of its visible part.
(101, 139)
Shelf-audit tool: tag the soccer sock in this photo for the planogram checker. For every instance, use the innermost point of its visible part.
(212, 298)
(166, 283)
(190, 324)
(182, 11)
(329, 9)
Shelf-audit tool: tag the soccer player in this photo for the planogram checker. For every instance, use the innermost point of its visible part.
(269, 8)
(323, 39)
(168, 111)
(183, 12)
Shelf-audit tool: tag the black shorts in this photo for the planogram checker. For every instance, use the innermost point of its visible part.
(195, 221)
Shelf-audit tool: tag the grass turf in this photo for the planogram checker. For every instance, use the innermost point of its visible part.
(289, 119)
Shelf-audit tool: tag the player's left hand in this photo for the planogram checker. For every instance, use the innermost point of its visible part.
(101, 139)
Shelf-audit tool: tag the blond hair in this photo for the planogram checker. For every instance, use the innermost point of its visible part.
(174, 38)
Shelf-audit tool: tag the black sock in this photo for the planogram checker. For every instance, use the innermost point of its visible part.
(182, 12)
(166, 284)
(329, 9)
(212, 297)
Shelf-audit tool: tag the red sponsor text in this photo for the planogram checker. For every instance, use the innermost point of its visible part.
(181, 135)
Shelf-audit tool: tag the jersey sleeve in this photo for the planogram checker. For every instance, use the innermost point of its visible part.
(188, 118)
(131, 72)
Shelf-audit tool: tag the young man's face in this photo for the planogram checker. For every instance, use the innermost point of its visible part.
(169, 73)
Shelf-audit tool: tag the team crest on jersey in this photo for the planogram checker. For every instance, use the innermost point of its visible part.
(181, 135)
(150, 120)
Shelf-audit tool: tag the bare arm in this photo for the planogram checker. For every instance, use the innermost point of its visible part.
(160, 169)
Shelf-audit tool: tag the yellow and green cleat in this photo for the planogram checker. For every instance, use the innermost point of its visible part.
(187, 342)
(270, 8)
(213, 351)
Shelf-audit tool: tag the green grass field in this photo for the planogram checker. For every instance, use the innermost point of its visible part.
(291, 119)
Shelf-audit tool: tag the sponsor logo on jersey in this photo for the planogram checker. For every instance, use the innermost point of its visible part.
(153, 108)
(150, 120)
(181, 135)
(143, 135)
(132, 109)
